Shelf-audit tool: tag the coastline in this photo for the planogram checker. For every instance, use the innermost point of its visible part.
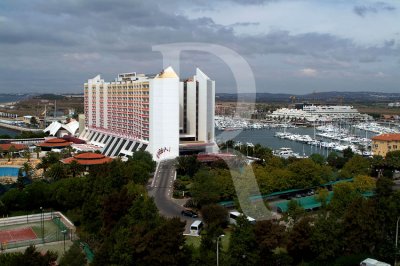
(19, 129)
(13, 127)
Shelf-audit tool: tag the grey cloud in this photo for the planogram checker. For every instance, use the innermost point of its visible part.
(369, 59)
(253, 2)
(244, 24)
(62, 43)
(363, 10)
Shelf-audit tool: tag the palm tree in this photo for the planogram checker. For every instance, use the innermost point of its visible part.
(12, 150)
(75, 168)
(37, 150)
(70, 150)
(27, 155)
(44, 164)
(27, 168)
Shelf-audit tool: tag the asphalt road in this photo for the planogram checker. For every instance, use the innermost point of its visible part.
(161, 190)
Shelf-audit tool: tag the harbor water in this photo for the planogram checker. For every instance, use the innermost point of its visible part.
(6, 131)
(266, 137)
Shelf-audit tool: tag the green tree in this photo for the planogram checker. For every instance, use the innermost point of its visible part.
(31, 257)
(166, 245)
(362, 227)
(335, 161)
(115, 206)
(20, 179)
(53, 157)
(357, 165)
(28, 170)
(75, 168)
(270, 235)
(37, 151)
(205, 189)
(33, 121)
(326, 238)
(378, 164)
(363, 183)
(308, 173)
(207, 251)
(295, 211)
(215, 215)
(144, 157)
(343, 194)
(69, 193)
(74, 256)
(187, 165)
(322, 196)
(27, 155)
(318, 158)
(348, 154)
(44, 164)
(392, 160)
(243, 245)
(299, 241)
(261, 152)
(56, 172)
(12, 150)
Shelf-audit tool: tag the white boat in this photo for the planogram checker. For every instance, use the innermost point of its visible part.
(286, 153)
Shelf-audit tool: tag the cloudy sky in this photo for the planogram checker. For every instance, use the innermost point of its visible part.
(292, 46)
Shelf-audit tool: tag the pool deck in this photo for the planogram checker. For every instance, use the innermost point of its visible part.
(19, 162)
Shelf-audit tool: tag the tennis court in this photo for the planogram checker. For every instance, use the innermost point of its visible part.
(15, 235)
(34, 229)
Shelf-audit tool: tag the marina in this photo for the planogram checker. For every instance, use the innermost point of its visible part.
(302, 141)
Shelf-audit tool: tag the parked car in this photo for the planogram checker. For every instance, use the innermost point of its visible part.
(189, 213)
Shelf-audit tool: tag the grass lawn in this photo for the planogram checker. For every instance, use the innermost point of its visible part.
(196, 240)
(193, 241)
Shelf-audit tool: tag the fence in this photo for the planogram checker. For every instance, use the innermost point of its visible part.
(65, 229)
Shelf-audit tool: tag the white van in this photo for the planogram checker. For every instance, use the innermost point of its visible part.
(233, 215)
(196, 227)
(372, 262)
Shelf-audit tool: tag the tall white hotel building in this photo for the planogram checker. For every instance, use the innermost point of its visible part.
(157, 113)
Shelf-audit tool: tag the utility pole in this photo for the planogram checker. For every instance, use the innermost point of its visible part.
(218, 238)
(397, 234)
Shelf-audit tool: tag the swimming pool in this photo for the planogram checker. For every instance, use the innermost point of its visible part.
(9, 171)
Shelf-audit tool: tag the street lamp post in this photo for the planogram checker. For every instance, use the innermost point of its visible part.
(42, 222)
(64, 232)
(397, 234)
(218, 238)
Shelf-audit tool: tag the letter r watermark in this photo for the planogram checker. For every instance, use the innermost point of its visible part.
(242, 175)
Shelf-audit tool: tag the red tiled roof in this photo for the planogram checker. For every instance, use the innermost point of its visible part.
(56, 142)
(74, 140)
(88, 158)
(18, 147)
(387, 137)
(214, 157)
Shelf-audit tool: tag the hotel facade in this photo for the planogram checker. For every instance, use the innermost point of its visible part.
(384, 143)
(159, 113)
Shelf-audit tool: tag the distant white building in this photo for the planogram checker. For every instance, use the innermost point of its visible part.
(312, 113)
(394, 105)
(288, 114)
(332, 111)
(60, 130)
(157, 113)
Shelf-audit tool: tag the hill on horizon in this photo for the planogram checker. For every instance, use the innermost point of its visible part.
(329, 97)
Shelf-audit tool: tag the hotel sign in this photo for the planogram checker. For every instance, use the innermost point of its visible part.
(161, 151)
